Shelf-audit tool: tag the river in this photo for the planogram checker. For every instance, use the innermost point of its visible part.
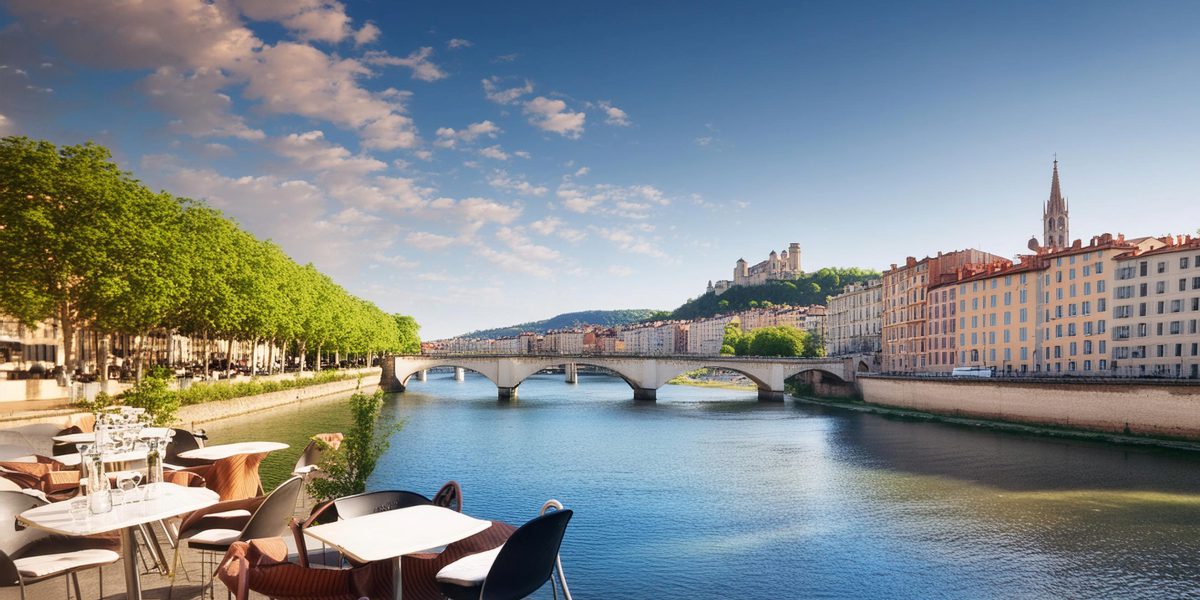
(709, 493)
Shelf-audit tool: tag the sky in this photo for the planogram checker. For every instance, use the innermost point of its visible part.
(480, 164)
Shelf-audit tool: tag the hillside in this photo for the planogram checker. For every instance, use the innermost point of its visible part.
(604, 318)
(810, 288)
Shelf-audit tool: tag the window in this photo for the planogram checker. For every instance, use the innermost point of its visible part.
(1071, 310)
(1183, 284)
(1196, 280)
(1071, 273)
(1143, 268)
(1058, 311)
(1100, 327)
(1007, 336)
(1160, 287)
(1100, 268)
(1101, 304)
(1162, 307)
(1087, 328)
(1102, 344)
(1024, 335)
(1162, 267)
(1121, 332)
(1058, 276)
(1141, 309)
(1070, 329)
(1008, 297)
(1123, 312)
(1176, 328)
(1023, 274)
(1103, 364)
(1183, 262)
(1087, 288)
(1025, 352)
(1123, 292)
(1058, 330)
(1143, 329)
(1176, 306)
(1087, 270)
(1100, 286)
(1007, 318)
(1024, 316)
(1143, 290)
(1086, 307)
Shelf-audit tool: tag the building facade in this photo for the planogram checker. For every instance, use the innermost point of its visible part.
(853, 322)
(779, 266)
(904, 314)
(1156, 310)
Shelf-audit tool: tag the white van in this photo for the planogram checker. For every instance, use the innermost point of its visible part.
(973, 372)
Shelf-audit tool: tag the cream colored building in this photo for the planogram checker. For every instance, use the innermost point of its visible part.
(563, 342)
(1156, 310)
(705, 336)
(853, 319)
(656, 339)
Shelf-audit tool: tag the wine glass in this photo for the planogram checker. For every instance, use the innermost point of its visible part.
(130, 486)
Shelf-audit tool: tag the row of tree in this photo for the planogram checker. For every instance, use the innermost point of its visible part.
(783, 340)
(89, 245)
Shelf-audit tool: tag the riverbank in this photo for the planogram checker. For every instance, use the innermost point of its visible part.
(1005, 426)
(701, 383)
(1162, 409)
(191, 415)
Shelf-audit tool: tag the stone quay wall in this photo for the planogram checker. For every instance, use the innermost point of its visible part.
(195, 414)
(1161, 409)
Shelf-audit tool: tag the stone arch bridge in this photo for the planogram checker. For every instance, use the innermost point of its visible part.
(645, 374)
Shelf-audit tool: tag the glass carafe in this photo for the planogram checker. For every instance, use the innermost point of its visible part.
(154, 467)
(99, 499)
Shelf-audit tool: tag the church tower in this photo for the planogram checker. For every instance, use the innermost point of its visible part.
(1055, 216)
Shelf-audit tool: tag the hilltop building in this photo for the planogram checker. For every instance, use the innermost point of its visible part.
(779, 266)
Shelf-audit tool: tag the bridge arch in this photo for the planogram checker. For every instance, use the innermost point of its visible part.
(807, 369)
(532, 369)
(403, 375)
(763, 386)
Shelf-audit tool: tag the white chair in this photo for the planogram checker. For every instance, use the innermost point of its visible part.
(29, 555)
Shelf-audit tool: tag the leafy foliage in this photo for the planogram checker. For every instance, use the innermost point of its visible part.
(89, 245)
(603, 318)
(808, 289)
(783, 340)
(153, 394)
(347, 468)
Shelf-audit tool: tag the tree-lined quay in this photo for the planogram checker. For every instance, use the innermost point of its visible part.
(91, 247)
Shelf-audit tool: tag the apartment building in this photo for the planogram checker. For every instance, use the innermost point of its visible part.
(1156, 310)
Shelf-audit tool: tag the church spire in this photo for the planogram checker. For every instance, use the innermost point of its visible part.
(1055, 215)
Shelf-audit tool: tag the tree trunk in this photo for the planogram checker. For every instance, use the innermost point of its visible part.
(303, 348)
(204, 355)
(139, 361)
(229, 358)
(271, 358)
(68, 333)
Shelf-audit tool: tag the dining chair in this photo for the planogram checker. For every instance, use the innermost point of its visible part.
(29, 555)
(181, 442)
(213, 529)
(518, 568)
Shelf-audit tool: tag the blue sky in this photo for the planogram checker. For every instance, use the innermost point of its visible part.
(481, 164)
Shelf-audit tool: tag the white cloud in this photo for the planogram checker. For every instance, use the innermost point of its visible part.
(614, 115)
(491, 89)
(418, 61)
(6, 125)
(354, 216)
(394, 260)
(316, 20)
(484, 210)
(428, 241)
(522, 255)
(493, 152)
(631, 202)
(626, 241)
(554, 225)
(369, 33)
(194, 98)
(581, 171)
(523, 154)
(620, 271)
(457, 43)
(704, 140)
(448, 137)
(552, 115)
(501, 180)
(311, 151)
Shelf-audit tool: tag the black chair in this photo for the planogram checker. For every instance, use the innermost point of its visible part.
(214, 529)
(61, 448)
(181, 442)
(29, 555)
(365, 503)
(513, 571)
(450, 496)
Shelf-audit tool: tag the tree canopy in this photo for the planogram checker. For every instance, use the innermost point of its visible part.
(783, 340)
(87, 244)
(808, 289)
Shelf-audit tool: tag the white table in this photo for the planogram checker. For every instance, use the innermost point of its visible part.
(227, 450)
(88, 437)
(72, 460)
(394, 533)
(171, 500)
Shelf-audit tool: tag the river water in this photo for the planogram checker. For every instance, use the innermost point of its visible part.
(710, 494)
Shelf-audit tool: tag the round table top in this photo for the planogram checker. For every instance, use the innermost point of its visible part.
(226, 450)
(120, 457)
(88, 437)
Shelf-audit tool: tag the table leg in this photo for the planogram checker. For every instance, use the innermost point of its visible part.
(133, 583)
(398, 582)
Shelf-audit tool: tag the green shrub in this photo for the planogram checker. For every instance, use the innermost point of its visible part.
(153, 395)
(345, 470)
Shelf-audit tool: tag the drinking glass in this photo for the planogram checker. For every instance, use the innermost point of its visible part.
(130, 486)
(78, 508)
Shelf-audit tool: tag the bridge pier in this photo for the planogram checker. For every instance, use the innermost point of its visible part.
(771, 396)
(387, 376)
(459, 373)
(572, 372)
(645, 394)
(506, 393)
(422, 375)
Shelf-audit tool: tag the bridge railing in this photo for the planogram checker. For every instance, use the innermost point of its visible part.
(568, 357)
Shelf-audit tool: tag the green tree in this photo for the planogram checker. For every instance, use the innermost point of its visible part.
(347, 468)
(777, 341)
(409, 342)
(63, 229)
